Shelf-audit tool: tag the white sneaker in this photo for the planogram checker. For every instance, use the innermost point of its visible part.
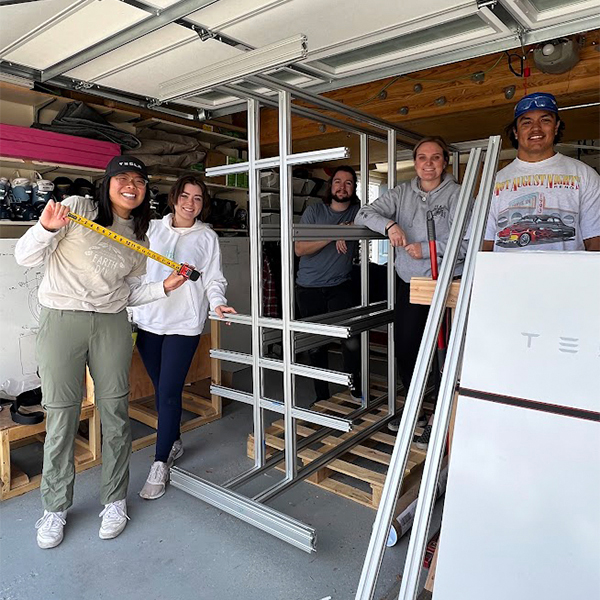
(50, 529)
(176, 452)
(114, 518)
(156, 483)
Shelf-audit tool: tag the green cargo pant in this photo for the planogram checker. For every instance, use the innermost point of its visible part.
(68, 340)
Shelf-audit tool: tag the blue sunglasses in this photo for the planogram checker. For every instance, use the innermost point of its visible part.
(540, 101)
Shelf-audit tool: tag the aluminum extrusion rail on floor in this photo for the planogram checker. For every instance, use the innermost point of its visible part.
(374, 556)
(281, 526)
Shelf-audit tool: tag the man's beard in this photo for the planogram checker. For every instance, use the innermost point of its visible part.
(337, 199)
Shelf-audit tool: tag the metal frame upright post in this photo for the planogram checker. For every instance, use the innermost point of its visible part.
(255, 279)
(287, 270)
(364, 271)
(391, 280)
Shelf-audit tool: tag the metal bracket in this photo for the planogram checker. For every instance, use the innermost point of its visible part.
(486, 4)
(82, 85)
(206, 34)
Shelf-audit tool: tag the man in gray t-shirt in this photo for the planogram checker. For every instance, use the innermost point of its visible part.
(323, 281)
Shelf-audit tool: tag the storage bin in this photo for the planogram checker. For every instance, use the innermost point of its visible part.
(269, 200)
(269, 179)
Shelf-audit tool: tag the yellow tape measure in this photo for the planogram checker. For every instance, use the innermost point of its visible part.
(182, 269)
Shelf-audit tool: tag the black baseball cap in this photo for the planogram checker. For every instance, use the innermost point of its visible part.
(125, 164)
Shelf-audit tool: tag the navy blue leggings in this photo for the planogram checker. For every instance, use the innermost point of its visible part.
(167, 359)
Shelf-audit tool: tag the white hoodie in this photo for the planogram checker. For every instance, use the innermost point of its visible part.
(185, 310)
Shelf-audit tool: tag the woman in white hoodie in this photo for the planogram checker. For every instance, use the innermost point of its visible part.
(169, 330)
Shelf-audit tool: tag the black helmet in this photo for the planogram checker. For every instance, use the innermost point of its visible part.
(63, 188)
(83, 187)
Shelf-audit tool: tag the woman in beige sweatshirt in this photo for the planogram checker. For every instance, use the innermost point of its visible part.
(88, 282)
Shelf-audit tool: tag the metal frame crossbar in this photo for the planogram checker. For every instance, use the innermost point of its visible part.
(298, 334)
(427, 493)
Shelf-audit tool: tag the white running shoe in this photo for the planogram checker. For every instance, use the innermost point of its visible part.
(50, 529)
(176, 452)
(114, 518)
(156, 483)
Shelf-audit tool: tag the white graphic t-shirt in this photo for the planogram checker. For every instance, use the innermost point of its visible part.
(553, 204)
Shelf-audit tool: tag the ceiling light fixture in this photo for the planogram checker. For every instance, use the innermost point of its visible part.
(279, 54)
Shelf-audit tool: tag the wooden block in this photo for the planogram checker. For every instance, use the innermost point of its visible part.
(4, 463)
(422, 288)
(17, 477)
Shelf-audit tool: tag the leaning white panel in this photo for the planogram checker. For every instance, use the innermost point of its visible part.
(521, 516)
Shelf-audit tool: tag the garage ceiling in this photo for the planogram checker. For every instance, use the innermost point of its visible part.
(128, 48)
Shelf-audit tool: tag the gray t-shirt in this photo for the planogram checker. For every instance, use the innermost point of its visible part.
(327, 267)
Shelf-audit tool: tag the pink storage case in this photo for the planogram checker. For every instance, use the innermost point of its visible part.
(47, 146)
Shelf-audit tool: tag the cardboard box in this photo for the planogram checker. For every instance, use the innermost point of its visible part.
(212, 159)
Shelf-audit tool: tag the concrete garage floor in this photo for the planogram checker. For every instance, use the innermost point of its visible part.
(178, 547)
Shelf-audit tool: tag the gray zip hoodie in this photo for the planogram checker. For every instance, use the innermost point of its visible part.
(408, 204)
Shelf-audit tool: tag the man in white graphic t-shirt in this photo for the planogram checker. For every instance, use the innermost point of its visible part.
(543, 200)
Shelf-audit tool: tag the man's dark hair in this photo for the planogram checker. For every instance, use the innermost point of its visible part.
(509, 132)
(347, 169)
(177, 189)
(140, 214)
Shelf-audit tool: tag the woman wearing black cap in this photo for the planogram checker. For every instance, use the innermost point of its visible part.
(88, 282)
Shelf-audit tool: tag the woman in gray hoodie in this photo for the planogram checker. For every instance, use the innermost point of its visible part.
(401, 215)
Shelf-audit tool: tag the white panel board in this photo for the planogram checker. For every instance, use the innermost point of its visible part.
(538, 335)
(19, 316)
(522, 510)
(92, 24)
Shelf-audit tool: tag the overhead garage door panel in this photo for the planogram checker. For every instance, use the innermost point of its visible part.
(153, 44)
(19, 20)
(535, 14)
(79, 31)
(305, 16)
(146, 78)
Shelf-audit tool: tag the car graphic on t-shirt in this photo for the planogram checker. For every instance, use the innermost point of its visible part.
(535, 229)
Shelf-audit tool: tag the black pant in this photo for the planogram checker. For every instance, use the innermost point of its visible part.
(167, 359)
(322, 300)
(409, 325)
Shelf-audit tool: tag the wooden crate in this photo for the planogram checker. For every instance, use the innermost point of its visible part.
(12, 435)
(196, 395)
(362, 483)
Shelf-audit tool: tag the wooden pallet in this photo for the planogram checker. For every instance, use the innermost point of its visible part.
(12, 436)
(359, 474)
